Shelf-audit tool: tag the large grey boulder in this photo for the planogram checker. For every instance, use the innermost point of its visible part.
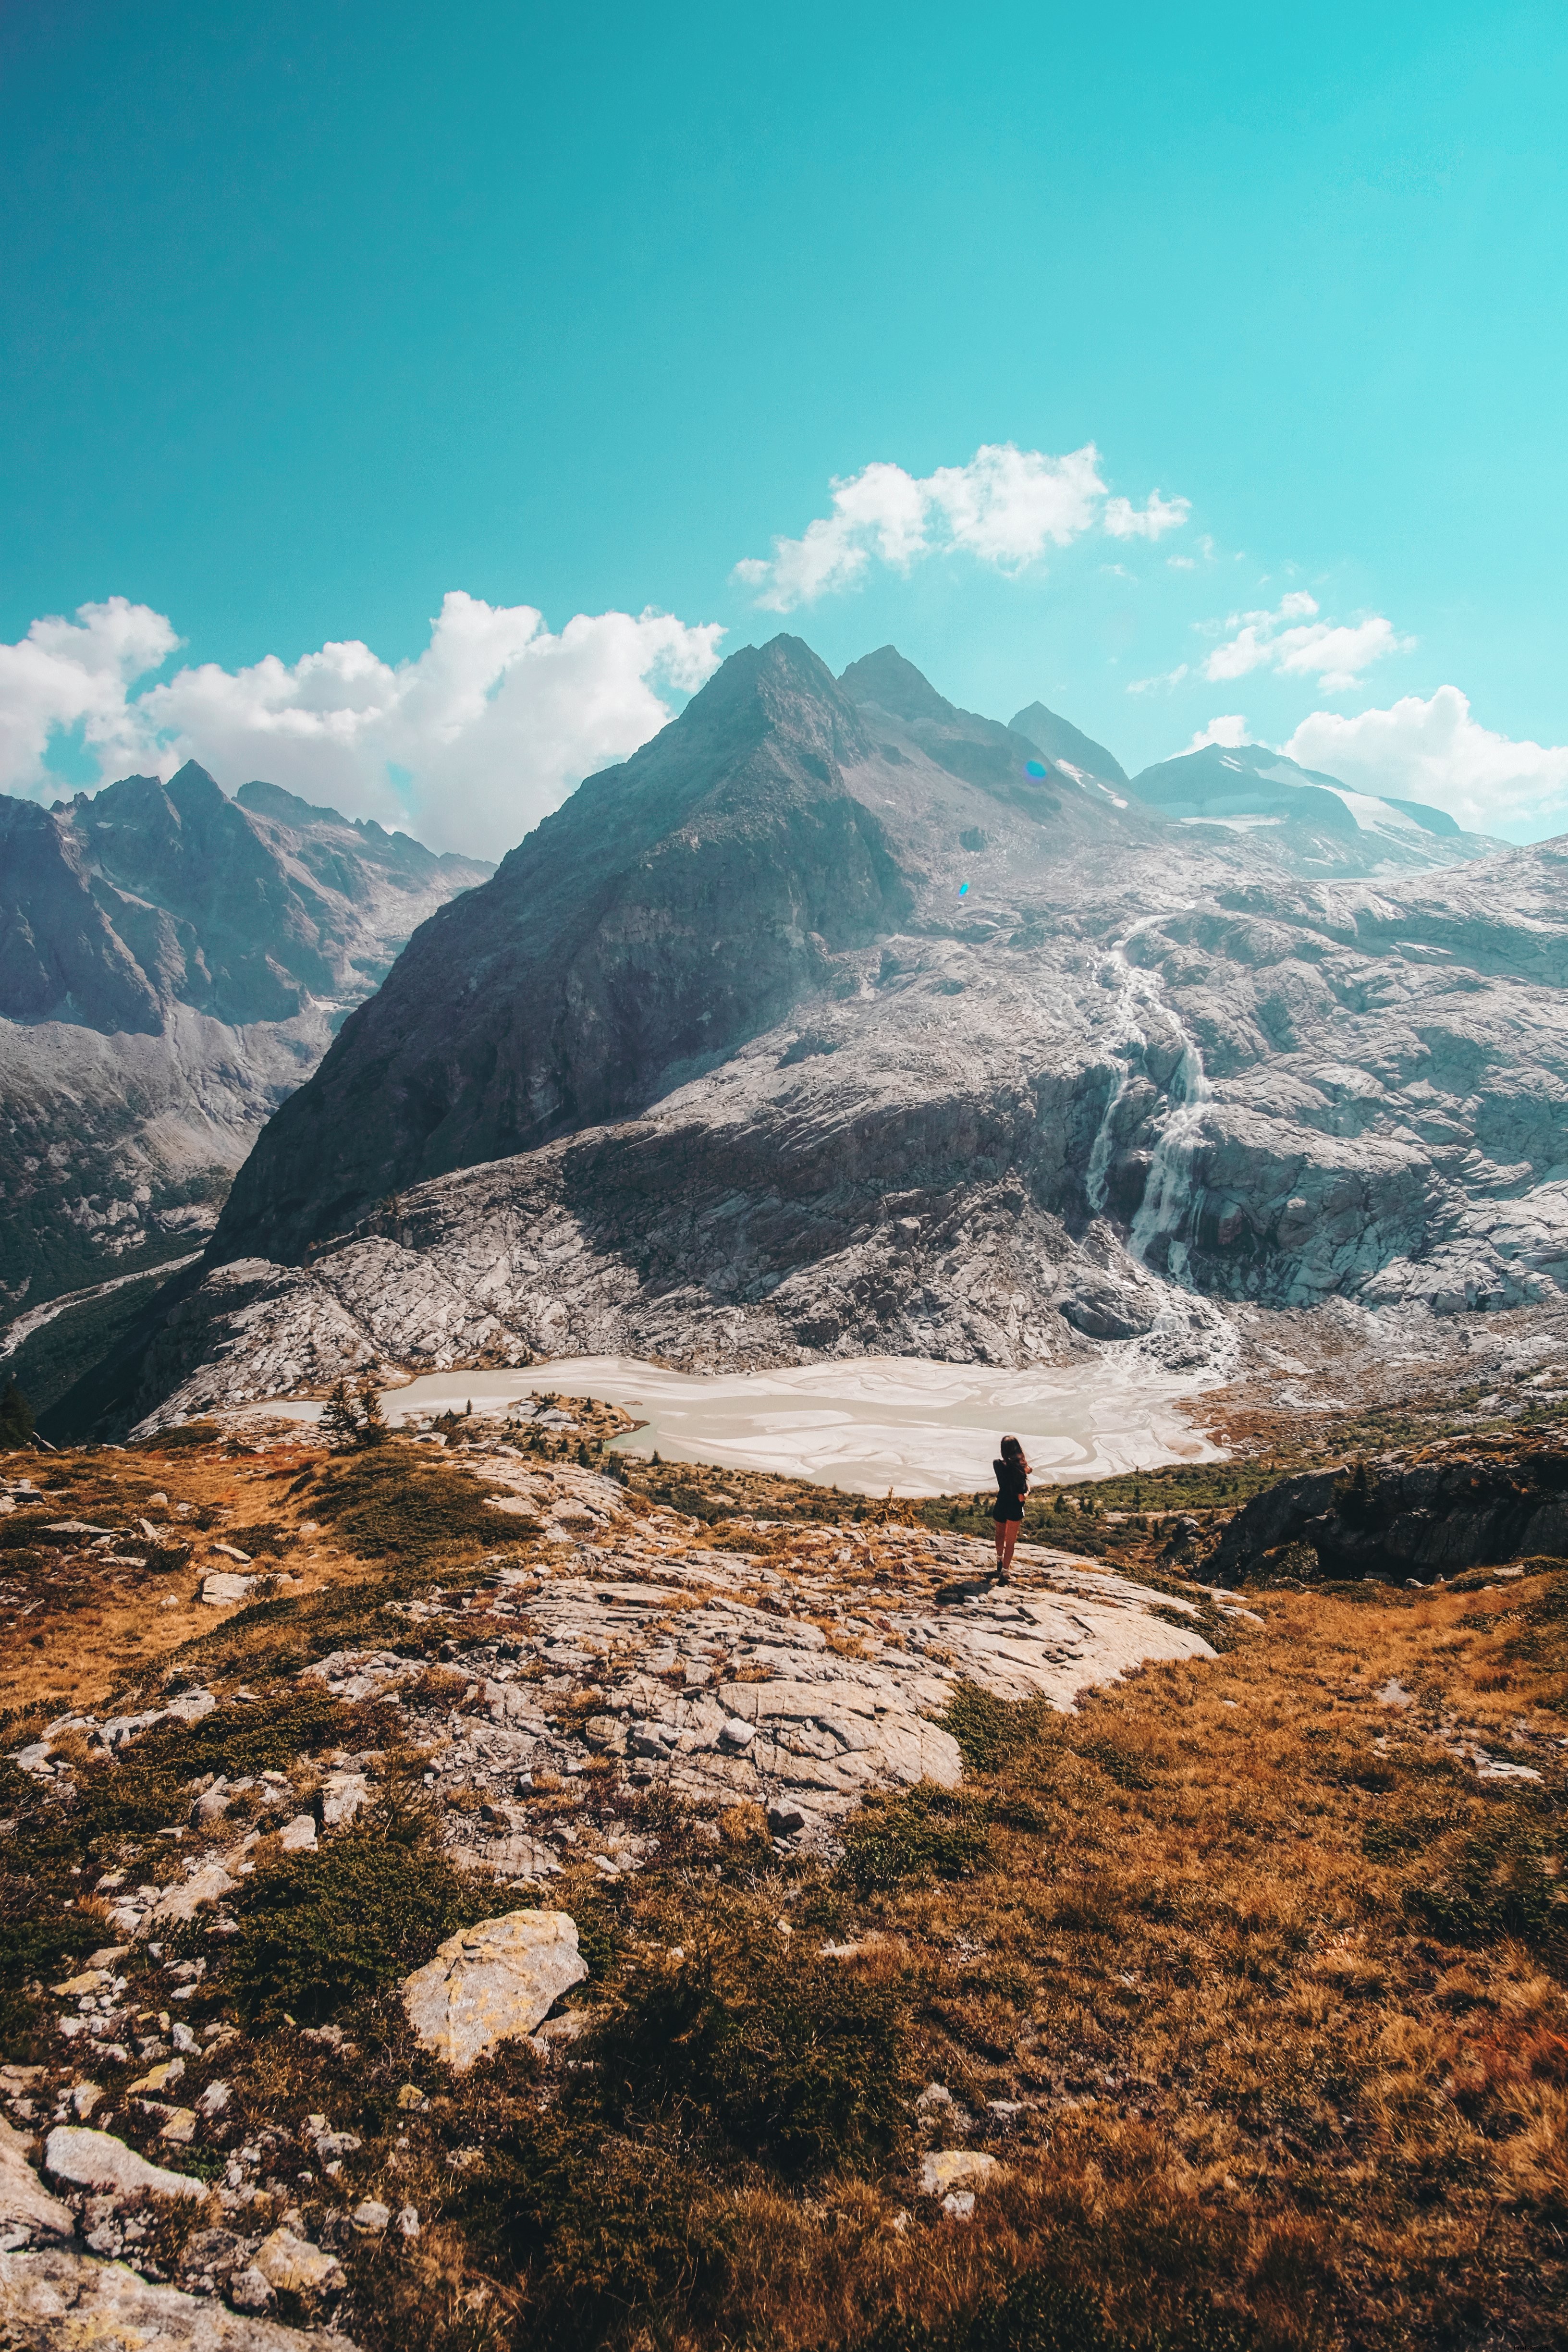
(492, 1983)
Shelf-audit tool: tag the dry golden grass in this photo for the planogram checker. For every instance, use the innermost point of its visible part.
(1269, 1987)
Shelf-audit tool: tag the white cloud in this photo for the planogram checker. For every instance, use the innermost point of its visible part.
(469, 746)
(1434, 750)
(1229, 732)
(1004, 508)
(1165, 683)
(69, 674)
(1124, 521)
(1292, 641)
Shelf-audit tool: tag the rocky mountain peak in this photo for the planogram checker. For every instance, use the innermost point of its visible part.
(894, 684)
(1061, 741)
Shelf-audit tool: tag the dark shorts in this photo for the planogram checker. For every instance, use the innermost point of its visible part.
(1007, 1518)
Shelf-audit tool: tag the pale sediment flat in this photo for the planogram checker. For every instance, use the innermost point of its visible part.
(882, 1421)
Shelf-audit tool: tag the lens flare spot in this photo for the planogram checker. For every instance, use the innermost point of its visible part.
(1034, 767)
(964, 889)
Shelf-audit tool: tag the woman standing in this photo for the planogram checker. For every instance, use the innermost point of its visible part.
(1011, 1485)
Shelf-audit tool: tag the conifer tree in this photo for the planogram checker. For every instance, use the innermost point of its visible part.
(16, 1424)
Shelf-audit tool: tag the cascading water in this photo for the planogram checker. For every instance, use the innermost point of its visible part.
(1167, 1191)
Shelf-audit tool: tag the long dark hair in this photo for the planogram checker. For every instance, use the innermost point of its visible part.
(1010, 1450)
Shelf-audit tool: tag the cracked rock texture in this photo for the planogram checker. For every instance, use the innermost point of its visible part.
(719, 1067)
(795, 1672)
(492, 1983)
(55, 2301)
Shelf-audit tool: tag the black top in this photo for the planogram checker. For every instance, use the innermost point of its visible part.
(1011, 1485)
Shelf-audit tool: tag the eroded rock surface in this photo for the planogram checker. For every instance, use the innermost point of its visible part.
(55, 2301)
(492, 1983)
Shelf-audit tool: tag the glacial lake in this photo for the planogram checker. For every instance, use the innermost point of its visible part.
(880, 1422)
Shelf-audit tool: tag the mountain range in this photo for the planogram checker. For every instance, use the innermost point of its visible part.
(172, 963)
(839, 1020)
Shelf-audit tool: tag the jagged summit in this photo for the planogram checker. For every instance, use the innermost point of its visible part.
(895, 685)
(171, 964)
(1068, 745)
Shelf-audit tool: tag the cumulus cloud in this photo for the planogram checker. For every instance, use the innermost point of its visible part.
(1293, 641)
(1435, 750)
(1124, 521)
(1229, 731)
(66, 675)
(1005, 507)
(467, 746)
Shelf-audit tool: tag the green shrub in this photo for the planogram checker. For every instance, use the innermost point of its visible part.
(1118, 1763)
(991, 1731)
(388, 1503)
(319, 1930)
(1042, 2314)
(752, 2044)
(609, 2237)
(920, 1832)
(1505, 1881)
(244, 1739)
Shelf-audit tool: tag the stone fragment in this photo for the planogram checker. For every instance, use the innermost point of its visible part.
(97, 2161)
(493, 1982)
(55, 2301)
(294, 2266)
(342, 1794)
(180, 2126)
(298, 1836)
(250, 2289)
(370, 2218)
(954, 2168)
(222, 1588)
(27, 2212)
(158, 2078)
(208, 1885)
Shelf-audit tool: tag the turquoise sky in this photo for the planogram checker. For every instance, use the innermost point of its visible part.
(314, 312)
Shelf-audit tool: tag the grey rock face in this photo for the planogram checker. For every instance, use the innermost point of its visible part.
(721, 1066)
(172, 964)
(1396, 1519)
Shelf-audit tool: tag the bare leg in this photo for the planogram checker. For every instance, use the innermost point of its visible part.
(1001, 1533)
(1007, 1534)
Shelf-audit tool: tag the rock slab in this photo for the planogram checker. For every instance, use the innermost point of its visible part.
(97, 2161)
(27, 2212)
(52, 2301)
(491, 1983)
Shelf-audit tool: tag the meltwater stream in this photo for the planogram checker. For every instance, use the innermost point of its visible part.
(1167, 1190)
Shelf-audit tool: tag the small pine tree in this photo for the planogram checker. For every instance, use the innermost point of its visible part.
(371, 1426)
(340, 1418)
(16, 1424)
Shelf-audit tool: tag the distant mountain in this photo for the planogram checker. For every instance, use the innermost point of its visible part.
(172, 963)
(1060, 740)
(826, 1024)
(1321, 823)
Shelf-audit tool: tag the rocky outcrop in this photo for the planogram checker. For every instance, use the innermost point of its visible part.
(57, 2301)
(1454, 1508)
(172, 964)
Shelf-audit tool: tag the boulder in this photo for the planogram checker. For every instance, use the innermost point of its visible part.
(492, 1983)
(205, 1886)
(97, 2161)
(53, 2301)
(292, 2265)
(954, 2168)
(27, 2212)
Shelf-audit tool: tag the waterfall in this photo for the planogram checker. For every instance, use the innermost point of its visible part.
(1167, 1192)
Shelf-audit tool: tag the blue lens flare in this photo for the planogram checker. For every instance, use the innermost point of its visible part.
(1034, 767)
